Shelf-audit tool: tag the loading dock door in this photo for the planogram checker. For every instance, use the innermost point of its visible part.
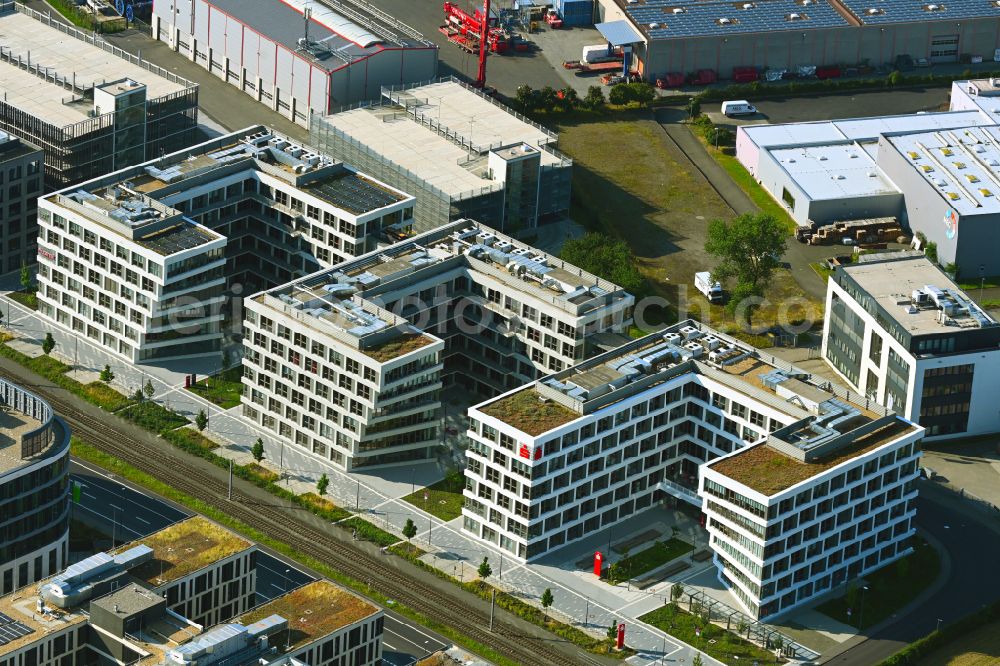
(944, 48)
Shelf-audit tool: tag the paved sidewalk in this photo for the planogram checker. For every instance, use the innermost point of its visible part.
(587, 603)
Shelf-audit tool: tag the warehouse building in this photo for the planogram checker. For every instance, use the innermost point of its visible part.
(297, 56)
(459, 151)
(901, 332)
(21, 173)
(349, 363)
(143, 260)
(683, 36)
(693, 414)
(937, 173)
(34, 489)
(91, 107)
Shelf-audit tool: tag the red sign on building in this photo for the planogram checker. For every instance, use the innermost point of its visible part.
(620, 642)
(598, 563)
(524, 451)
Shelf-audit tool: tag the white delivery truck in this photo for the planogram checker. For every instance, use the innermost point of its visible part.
(706, 285)
(738, 107)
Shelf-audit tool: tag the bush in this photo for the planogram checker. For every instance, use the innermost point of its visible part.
(918, 650)
(606, 257)
(594, 99)
(620, 94)
(368, 532)
(642, 92)
(153, 417)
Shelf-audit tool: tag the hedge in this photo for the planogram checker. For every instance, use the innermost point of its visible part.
(914, 652)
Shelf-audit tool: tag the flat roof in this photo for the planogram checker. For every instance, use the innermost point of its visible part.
(618, 33)
(834, 171)
(919, 11)
(129, 599)
(659, 19)
(185, 547)
(13, 425)
(12, 147)
(859, 129)
(769, 471)
(892, 280)
(353, 193)
(962, 166)
(313, 611)
(685, 348)
(20, 607)
(67, 57)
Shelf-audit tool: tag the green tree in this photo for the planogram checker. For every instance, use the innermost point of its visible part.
(547, 600)
(749, 250)
(620, 94)
(138, 396)
(323, 484)
(676, 592)
(410, 530)
(48, 344)
(485, 570)
(741, 626)
(697, 660)
(527, 98)
(895, 78)
(642, 92)
(201, 420)
(25, 277)
(107, 376)
(606, 257)
(148, 389)
(547, 99)
(778, 642)
(613, 629)
(594, 99)
(567, 98)
(951, 269)
(257, 450)
(694, 107)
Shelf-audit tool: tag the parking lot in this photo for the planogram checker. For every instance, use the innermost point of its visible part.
(841, 105)
(539, 67)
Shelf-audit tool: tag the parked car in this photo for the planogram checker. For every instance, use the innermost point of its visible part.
(922, 62)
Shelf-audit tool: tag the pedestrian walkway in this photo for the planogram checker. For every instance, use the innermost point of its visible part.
(579, 598)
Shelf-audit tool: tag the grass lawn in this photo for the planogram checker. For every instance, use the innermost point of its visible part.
(186, 437)
(261, 472)
(223, 389)
(821, 270)
(757, 194)
(444, 498)
(682, 624)
(104, 396)
(889, 588)
(646, 560)
(969, 284)
(25, 298)
(152, 416)
(979, 648)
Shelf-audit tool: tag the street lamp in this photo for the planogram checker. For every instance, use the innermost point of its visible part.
(717, 137)
(861, 609)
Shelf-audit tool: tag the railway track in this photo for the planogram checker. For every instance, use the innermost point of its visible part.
(187, 474)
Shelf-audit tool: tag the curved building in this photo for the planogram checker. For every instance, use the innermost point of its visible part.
(34, 490)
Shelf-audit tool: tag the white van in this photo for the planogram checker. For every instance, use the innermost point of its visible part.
(710, 288)
(738, 107)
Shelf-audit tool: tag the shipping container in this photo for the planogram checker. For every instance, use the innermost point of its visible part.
(575, 12)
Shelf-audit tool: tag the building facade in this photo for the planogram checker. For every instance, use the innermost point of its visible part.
(462, 153)
(902, 333)
(298, 57)
(116, 111)
(146, 260)
(684, 37)
(34, 489)
(349, 362)
(816, 505)
(579, 450)
(21, 182)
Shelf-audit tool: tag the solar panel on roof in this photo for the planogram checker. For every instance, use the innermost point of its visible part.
(721, 18)
(5, 619)
(898, 11)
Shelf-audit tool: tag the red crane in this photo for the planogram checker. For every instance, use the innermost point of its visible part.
(475, 33)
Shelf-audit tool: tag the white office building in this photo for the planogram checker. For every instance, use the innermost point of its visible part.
(130, 273)
(822, 501)
(349, 362)
(581, 449)
(143, 260)
(902, 333)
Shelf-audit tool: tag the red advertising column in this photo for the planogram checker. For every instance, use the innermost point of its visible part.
(598, 563)
(620, 642)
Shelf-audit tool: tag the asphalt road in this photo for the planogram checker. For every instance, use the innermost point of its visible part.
(971, 538)
(128, 513)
